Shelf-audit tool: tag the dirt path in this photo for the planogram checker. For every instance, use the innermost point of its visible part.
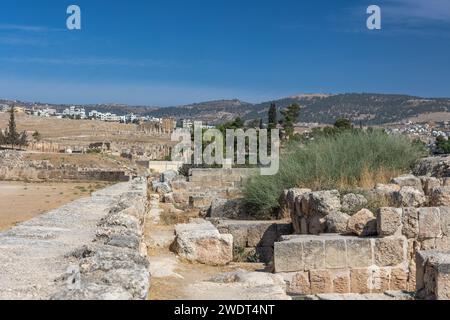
(21, 201)
(173, 279)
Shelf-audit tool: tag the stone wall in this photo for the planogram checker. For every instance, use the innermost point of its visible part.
(433, 275)
(255, 239)
(115, 266)
(91, 248)
(339, 264)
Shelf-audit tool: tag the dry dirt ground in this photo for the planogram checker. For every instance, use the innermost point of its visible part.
(173, 278)
(21, 201)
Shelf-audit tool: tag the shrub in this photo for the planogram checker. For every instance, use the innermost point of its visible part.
(343, 161)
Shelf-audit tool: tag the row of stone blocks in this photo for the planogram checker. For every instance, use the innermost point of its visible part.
(339, 264)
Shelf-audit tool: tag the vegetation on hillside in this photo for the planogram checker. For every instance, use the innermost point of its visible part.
(344, 160)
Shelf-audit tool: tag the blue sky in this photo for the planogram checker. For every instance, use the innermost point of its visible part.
(170, 52)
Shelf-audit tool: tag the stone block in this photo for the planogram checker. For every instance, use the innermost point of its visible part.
(363, 223)
(410, 197)
(389, 222)
(399, 279)
(314, 254)
(429, 183)
(262, 234)
(360, 281)
(359, 253)
(288, 256)
(445, 220)
(323, 203)
(440, 197)
(379, 279)
(429, 223)
(390, 251)
(408, 181)
(335, 254)
(297, 283)
(341, 281)
(410, 223)
(320, 281)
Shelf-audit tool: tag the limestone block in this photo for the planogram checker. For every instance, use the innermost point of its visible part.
(440, 197)
(359, 253)
(445, 220)
(297, 283)
(360, 281)
(379, 279)
(410, 197)
(410, 223)
(323, 203)
(429, 223)
(389, 222)
(314, 254)
(429, 183)
(288, 256)
(337, 222)
(262, 234)
(320, 281)
(362, 223)
(390, 251)
(341, 281)
(335, 254)
(201, 242)
(408, 181)
(399, 279)
(353, 202)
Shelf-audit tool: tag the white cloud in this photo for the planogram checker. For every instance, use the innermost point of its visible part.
(413, 10)
(26, 28)
(87, 61)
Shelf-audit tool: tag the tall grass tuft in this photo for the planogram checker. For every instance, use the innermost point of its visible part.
(345, 161)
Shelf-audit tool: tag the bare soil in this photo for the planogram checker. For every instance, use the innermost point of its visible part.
(20, 201)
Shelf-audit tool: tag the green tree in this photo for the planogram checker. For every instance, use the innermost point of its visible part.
(273, 117)
(23, 139)
(37, 136)
(12, 136)
(343, 124)
(2, 138)
(290, 117)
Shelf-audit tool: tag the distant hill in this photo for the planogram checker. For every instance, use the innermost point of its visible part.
(368, 108)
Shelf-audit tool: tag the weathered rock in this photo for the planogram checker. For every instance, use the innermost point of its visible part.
(241, 285)
(429, 183)
(390, 251)
(352, 202)
(429, 223)
(168, 176)
(410, 197)
(433, 275)
(440, 197)
(337, 222)
(228, 209)
(437, 167)
(408, 181)
(199, 241)
(389, 222)
(411, 222)
(362, 223)
(323, 203)
(168, 198)
(161, 187)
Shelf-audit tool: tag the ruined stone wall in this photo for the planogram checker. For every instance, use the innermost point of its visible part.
(115, 266)
(433, 275)
(91, 248)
